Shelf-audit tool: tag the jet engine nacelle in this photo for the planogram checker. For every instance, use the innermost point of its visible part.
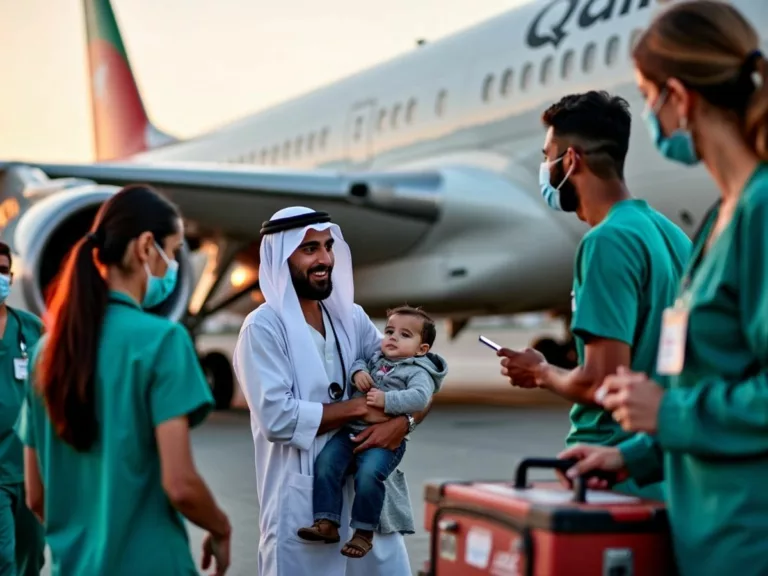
(49, 228)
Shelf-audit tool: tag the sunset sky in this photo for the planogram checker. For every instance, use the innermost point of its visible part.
(199, 63)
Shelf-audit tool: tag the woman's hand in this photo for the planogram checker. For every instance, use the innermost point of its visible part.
(633, 399)
(606, 458)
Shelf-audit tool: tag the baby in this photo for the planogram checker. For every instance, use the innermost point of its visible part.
(400, 379)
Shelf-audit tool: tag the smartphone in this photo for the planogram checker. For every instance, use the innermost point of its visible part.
(490, 343)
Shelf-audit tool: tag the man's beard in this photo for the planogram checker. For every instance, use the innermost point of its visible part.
(569, 199)
(307, 289)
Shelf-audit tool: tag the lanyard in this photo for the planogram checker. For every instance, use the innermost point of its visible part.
(335, 390)
(699, 255)
(20, 335)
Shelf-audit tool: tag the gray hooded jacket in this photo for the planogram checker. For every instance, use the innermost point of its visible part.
(408, 383)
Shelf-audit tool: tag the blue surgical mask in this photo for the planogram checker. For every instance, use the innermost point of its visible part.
(5, 287)
(158, 289)
(551, 194)
(678, 146)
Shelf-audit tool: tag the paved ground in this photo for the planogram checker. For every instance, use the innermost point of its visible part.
(452, 443)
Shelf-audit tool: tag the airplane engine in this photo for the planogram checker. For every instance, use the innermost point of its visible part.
(51, 226)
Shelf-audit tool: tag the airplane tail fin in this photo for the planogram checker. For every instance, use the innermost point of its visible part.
(120, 123)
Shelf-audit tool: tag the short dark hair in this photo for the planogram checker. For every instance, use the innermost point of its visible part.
(428, 330)
(598, 125)
(5, 250)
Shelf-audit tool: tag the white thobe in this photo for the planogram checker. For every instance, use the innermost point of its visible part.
(284, 429)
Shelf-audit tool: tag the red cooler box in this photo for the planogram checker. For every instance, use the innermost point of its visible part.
(513, 529)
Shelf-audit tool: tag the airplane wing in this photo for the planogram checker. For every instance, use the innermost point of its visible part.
(382, 215)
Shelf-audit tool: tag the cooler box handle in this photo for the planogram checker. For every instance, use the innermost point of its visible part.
(579, 484)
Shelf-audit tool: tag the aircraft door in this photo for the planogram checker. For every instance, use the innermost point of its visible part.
(359, 135)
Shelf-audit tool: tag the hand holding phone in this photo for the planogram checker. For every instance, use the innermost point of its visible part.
(490, 343)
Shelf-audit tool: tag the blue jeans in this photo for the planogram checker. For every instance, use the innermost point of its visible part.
(371, 468)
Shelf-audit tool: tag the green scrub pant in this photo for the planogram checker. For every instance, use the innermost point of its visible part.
(22, 537)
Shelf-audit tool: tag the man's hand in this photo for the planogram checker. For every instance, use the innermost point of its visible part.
(362, 381)
(375, 398)
(607, 458)
(633, 399)
(374, 415)
(388, 435)
(522, 368)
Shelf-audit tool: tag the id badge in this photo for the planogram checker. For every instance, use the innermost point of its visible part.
(20, 368)
(674, 329)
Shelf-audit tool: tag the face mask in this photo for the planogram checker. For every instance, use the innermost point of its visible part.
(678, 146)
(554, 196)
(5, 287)
(158, 289)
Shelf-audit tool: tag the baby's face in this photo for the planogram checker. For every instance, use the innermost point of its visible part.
(402, 337)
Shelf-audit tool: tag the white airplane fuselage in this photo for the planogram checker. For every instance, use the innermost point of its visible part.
(473, 101)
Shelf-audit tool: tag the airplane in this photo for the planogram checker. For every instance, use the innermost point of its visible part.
(428, 162)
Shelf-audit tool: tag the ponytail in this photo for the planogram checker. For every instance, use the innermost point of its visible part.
(756, 119)
(68, 366)
(69, 361)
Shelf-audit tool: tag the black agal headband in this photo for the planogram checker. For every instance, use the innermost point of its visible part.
(291, 222)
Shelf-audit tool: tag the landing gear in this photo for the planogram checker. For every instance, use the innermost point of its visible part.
(218, 372)
(560, 353)
(557, 353)
(216, 366)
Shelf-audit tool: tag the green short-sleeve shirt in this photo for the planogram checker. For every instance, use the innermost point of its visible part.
(627, 271)
(22, 329)
(106, 511)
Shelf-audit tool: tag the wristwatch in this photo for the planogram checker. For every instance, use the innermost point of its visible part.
(411, 423)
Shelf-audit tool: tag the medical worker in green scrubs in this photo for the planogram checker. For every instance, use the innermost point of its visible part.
(706, 87)
(627, 268)
(21, 535)
(112, 393)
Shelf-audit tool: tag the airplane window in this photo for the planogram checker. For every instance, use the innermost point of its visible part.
(382, 119)
(395, 115)
(506, 82)
(323, 138)
(358, 128)
(287, 150)
(612, 51)
(546, 70)
(633, 40)
(297, 146)
(525, 80)
(264, 156)
(440, 103)
(410, 110)
(568, 64)
(310, 142)
(275, 153)
(588, 63)
(487, 87)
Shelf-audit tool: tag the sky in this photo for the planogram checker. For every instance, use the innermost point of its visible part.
(199, 63)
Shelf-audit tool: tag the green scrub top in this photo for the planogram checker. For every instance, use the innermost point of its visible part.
(713, 419)
(12, 391)
(627, 272)
(106, 511)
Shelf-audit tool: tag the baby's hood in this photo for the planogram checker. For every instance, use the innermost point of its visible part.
(434, 364)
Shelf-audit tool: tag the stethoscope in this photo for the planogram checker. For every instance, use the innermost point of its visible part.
(336, 390)
(20, 335)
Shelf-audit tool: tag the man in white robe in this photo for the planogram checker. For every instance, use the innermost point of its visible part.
(292, 359)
